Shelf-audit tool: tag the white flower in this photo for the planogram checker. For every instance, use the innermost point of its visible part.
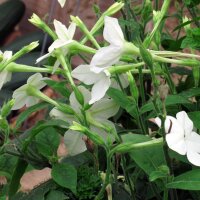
(62, 2)
(5, 76)
(111, 54)
(65, 37)
(99, 112)
(180, 136)
(101, 81)
(21, 95)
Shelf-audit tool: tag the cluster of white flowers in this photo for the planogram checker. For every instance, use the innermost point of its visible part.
(180, 136)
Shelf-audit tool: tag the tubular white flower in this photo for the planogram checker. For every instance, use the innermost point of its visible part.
(62, 2)
(65, 37)
(21, 95)
(111, 54)
(98, 112)
(101, 81)
(5, 76)
(180, 136)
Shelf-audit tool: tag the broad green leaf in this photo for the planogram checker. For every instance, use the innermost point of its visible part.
(47, 142)
(187, 181)
(190, 93)
(18, 173)
(195, 117)
(24, 115)
(79, 159)
(149, 158)
(162, 172)
(65, 175)
(41, 126)
(55, 194)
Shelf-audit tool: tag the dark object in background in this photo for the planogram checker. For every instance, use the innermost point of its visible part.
(10, 14)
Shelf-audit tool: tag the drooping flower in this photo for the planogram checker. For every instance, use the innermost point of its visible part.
(21, 95)
(101, 81)
(111, 54)
(99, 112)
(65, 37)
(180, 136)
(62, 2)
(5, 76)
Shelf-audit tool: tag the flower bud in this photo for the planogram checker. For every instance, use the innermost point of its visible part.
(146, 56)
(79, 95)
(6, 109)
(133, 86)
(26, 49)
(38, 22)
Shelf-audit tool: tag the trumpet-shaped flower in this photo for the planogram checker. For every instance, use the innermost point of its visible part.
(21, 95)
(62, 2)
(111, 54)
(5, 76)
(101, 81)
(99, 112)
(65, 37)
(180, 136)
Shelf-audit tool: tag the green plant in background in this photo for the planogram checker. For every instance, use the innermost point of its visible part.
(118, 122)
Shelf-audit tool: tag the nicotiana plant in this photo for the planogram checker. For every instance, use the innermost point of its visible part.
(130, 131)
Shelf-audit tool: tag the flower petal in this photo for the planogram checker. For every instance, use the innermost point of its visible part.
(19, 102)
(37, 81)
(61, 30)
(71, 30)
(4, 78)
(58, 44)
(112, 31)
(62, 3)
(185, 122)
(193, 148)
(105, 57)
(85, 75)
(7, 55)
(43, 57)
(30, 101)
(99, 89)
(57, 114)
(104, 108)
(74, 142)
(175, 135)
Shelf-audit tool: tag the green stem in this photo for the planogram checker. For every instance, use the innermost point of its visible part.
(107, 179)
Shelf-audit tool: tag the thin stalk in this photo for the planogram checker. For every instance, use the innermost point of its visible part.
(107, 179)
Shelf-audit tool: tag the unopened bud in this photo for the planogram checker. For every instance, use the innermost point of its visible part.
(6, 109)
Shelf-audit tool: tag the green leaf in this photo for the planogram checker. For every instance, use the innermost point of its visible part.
(47, 142)
(18, 173)
(65, 175)
(187, 181)
(161, 173)
(24, 115)
(121, 99)
(55, 194)
(59, 87)
(41, 126)
(79, 159)
(149, 158)
(170, 100)
(195, 116)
